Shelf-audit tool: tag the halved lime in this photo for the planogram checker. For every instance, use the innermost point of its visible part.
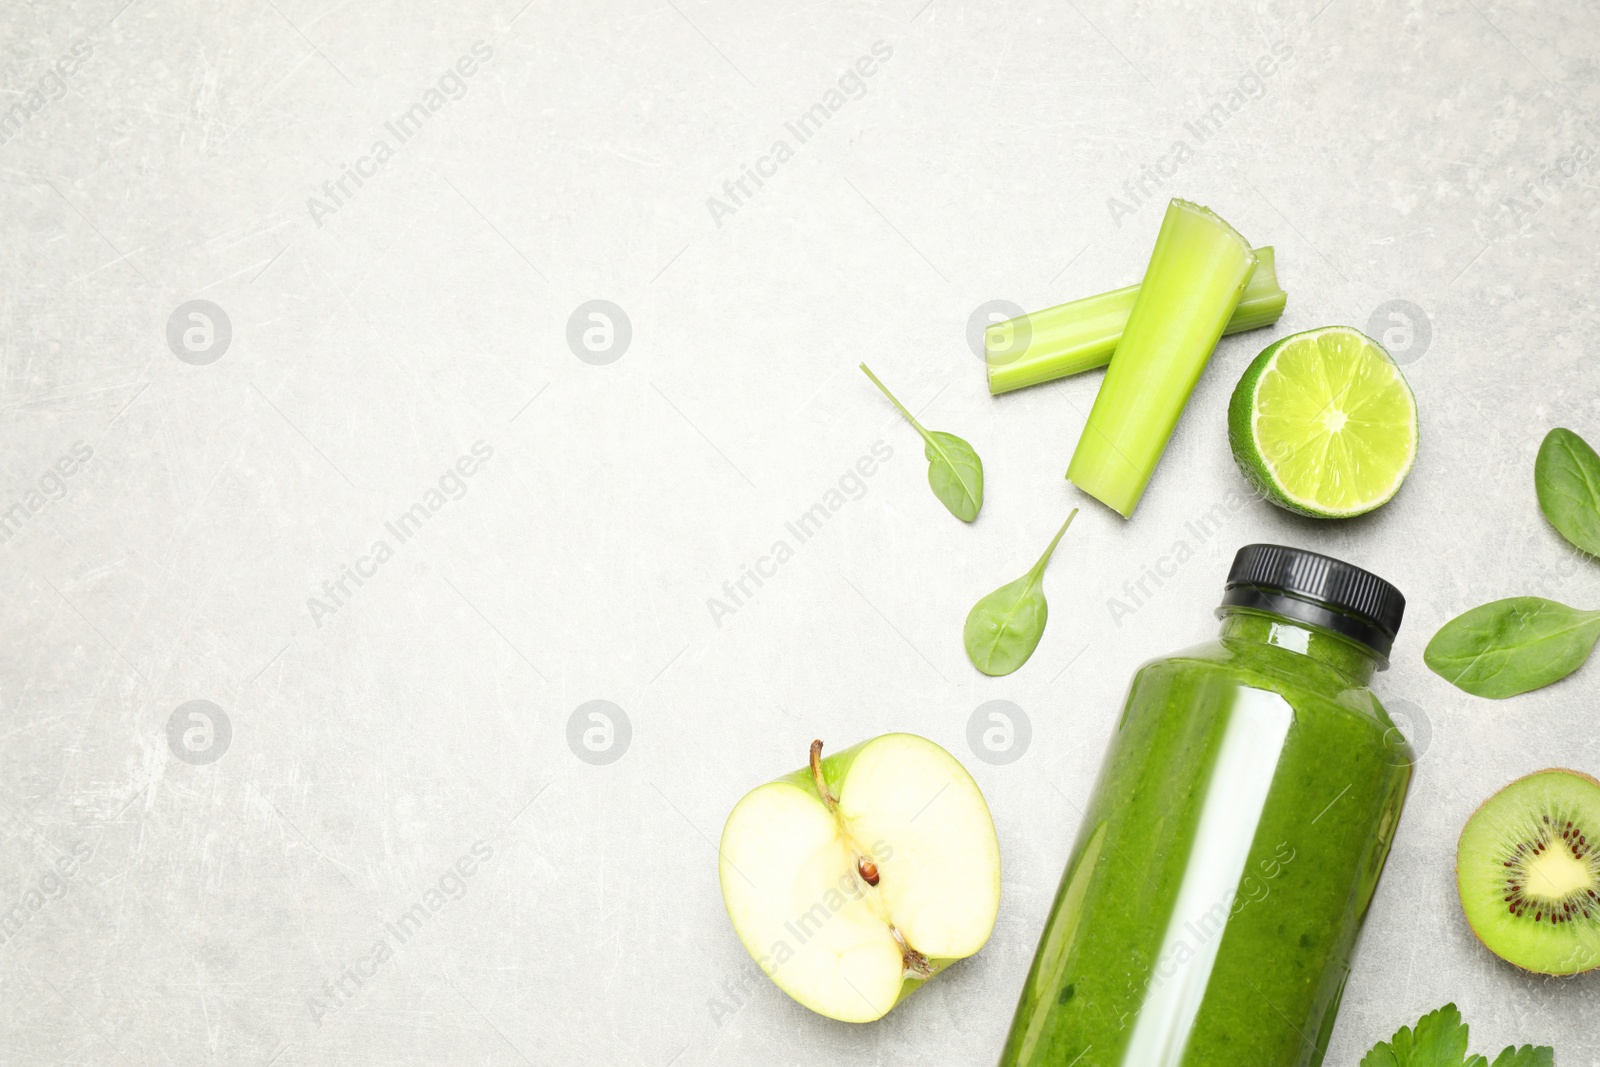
(1324, 424)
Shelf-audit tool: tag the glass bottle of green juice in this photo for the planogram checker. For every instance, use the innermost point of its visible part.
(1212, 900)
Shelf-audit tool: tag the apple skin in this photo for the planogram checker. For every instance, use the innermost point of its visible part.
(835, 770)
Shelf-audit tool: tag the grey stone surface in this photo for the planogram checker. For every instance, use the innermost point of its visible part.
(223, 874)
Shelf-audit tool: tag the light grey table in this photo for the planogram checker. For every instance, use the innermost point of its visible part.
(394, 742)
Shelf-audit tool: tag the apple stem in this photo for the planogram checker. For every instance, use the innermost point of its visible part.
(864, 867)
(816, 775)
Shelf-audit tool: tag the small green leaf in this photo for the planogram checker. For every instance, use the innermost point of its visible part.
(1440, 1040)
(1526, 1056)
(1512, 646)
(1004, 627)
(1567, 478)
(955, 473)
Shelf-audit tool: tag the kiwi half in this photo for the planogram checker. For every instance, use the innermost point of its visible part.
(1528, 869)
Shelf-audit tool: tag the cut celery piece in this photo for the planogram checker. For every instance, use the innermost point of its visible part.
(1081, 335)
(1197, 273)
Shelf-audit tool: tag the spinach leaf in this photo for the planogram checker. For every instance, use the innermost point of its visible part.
(1567, 477)
(955, 473)
(1512, 646)
(1004, 627)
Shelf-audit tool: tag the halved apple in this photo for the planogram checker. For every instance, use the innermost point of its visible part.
(856, 879)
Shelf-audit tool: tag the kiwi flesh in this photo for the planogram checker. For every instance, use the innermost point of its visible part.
(1528, 870)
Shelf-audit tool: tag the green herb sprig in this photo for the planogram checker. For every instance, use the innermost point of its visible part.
(1440, 1040)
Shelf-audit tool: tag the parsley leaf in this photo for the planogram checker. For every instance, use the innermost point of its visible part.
(1526, 1056)
(1440, 1040)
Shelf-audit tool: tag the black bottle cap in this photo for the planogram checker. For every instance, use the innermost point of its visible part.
(1312, 588)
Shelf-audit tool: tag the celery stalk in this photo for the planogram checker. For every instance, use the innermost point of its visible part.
(1197, 273)
(1081, 335)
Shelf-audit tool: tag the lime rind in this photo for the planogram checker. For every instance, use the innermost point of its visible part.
(1324, 424)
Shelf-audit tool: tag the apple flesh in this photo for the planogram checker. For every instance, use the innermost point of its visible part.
(856, 879)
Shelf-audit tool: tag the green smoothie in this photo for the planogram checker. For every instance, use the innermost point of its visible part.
(1232, 843)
